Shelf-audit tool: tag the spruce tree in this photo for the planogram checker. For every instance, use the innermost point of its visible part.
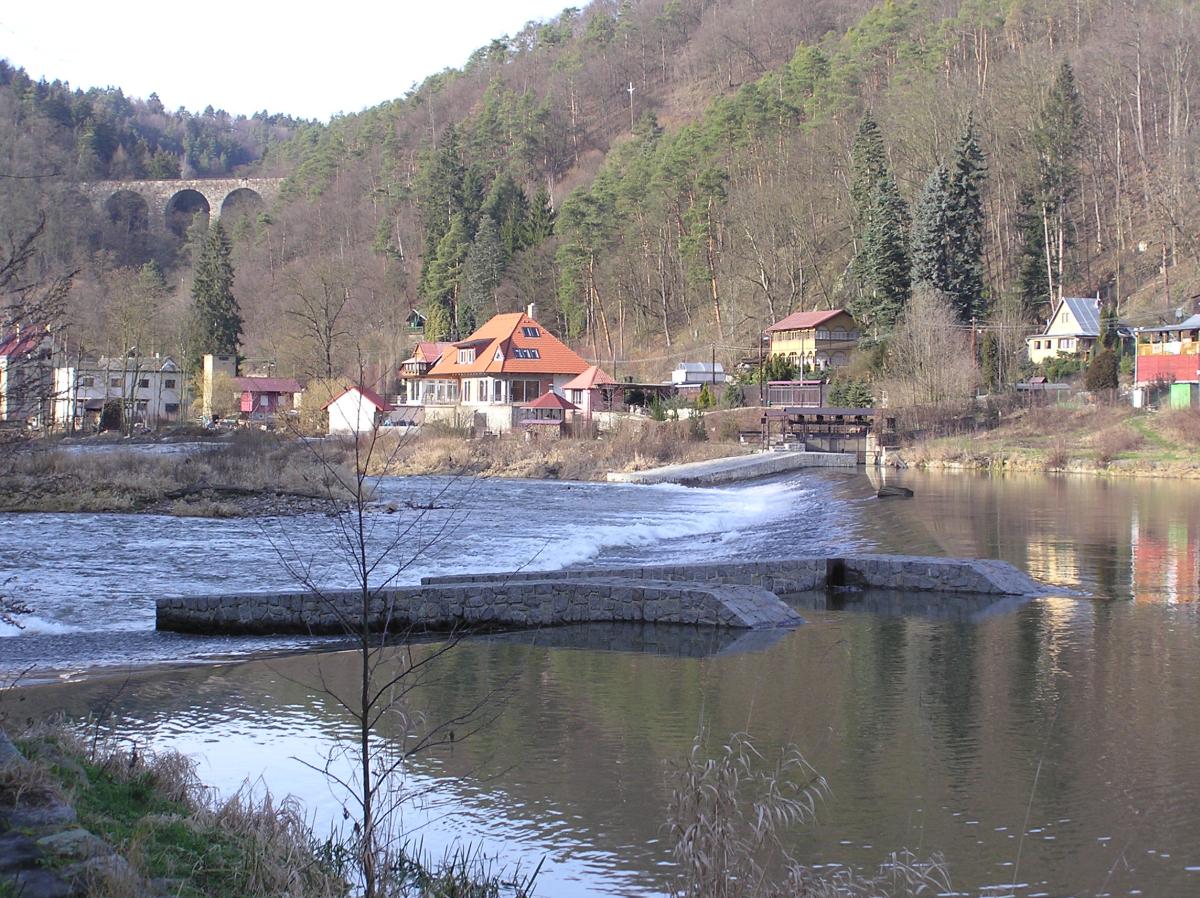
(931, 249)
(216, 318)
(482, 270)
(885, 264)
(964, 225)
(868, 164)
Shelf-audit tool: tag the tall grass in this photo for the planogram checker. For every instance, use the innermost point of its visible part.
(728, 820)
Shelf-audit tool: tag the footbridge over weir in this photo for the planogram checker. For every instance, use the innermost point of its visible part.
(738, 595)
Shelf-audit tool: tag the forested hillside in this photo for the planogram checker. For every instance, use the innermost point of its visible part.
(662, 175)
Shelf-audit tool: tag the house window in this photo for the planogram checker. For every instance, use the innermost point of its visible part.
(466, 391)
(87, 381)
(526, 354)
(169, 383)
(526, 390)
(263, 401)
(466, 356)
(171, 408)
(822, 334)
(114, 382)
(144, 383)
(1064, 344)
(531, 332)
(499, 356)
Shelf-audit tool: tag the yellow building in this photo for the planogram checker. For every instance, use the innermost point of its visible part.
(1073, 329)
(815, 339)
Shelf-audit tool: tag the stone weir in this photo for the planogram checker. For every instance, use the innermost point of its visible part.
(739, 595)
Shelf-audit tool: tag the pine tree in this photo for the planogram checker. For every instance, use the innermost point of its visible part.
(964, 225)
(443, 282)
(216, 318)
(1031, 285)
(931, 234)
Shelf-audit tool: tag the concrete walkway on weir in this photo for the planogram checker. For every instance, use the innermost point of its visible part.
(738, 467)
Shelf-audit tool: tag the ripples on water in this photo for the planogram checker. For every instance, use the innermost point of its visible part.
(931, 729)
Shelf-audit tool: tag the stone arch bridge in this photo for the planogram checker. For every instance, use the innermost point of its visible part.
(172, 204)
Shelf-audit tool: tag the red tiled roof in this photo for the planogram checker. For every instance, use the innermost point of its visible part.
(430, 351)
(14, 344)
(590, 379)
(804, 320)
(370, 395)
(267, 385)
(553, 400)
(504, 333)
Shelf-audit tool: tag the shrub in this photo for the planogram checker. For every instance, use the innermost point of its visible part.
(1102, 372)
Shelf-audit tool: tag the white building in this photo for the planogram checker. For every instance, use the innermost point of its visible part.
(355, 411)
(148, 390)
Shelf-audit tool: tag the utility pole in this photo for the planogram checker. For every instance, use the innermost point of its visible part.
(630, 89)
(760, 368)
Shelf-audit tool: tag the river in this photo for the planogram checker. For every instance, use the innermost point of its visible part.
(1043, 748)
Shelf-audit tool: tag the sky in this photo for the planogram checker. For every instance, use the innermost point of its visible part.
(257, 55)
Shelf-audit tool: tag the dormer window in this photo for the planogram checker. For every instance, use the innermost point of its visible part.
(466, 356)
(531, 331)
(499, 356)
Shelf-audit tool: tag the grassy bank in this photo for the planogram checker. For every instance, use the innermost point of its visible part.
(636, 446)
(254, 473)
(145, 825)
(1113, 440)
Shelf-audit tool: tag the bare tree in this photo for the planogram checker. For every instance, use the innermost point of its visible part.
(377, 548)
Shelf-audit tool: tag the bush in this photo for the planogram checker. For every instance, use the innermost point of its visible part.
(1102, 372)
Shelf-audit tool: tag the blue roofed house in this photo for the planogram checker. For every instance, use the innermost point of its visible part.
(1073, 329)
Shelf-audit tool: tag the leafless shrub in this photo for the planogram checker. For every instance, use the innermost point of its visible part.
(728, 817)
(1183, 425)
(1058, 455)
(1111, 443)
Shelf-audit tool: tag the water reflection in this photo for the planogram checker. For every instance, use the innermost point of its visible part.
(934, 733)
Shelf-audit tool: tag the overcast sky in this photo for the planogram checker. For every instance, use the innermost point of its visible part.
(253, 55)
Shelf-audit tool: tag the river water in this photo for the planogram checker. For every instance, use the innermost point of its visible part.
(1044, 748)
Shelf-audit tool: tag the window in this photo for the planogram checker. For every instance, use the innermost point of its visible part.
(822, 334)
(466, 356)
(87, 381)
(839, 334)
(171, 408)
(114, 382)
(499, 356)
(526, 354)
(263, 401)
(144, 383)
(531, 332)
(169, 383)
(526, 390)
(466, 391)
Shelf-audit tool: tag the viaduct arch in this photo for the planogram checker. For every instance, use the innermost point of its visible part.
(171, 204)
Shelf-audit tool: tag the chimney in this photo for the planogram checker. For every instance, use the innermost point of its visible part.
(531, 310)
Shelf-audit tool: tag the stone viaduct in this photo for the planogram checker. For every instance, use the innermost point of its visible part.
(171, 204)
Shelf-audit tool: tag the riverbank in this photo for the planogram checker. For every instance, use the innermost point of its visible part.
(84, 817)
(1113, 441)
(252, 474)
(636, 446)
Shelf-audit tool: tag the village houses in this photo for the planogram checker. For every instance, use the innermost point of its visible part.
(815, 340)
(144, 390)
(502, 367)
(1073, 329)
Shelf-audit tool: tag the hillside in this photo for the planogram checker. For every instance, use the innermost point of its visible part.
(719, 194)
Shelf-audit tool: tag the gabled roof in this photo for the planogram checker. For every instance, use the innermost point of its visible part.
(593, 377)
(130, 364)
(429, 351)
(267, 385)
(370, 395)
(14, 344)
(798, 321)
(553, 400)
(1190, 323)
(496, 344)
(1085, 312)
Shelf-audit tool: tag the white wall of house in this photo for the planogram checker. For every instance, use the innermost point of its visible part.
(352, 413)
(152, 390)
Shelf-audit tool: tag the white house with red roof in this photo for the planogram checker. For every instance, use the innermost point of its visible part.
(356, 410)
(592, 391)
(26, 378)
(507, 363)
(817, 340)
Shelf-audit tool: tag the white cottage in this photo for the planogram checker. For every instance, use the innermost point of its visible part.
(355, 411)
